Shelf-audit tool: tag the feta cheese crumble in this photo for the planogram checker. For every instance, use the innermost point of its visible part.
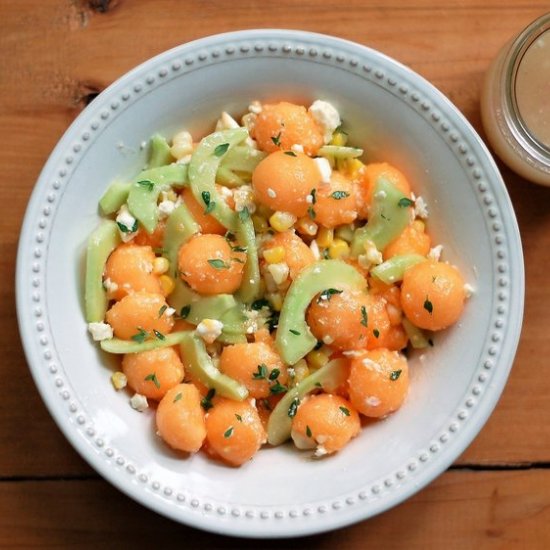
(119, 380)
(435, 253)
(421, 208)
(182, 145)
(469, 290)
(100, 331)
(127, 224)
(326, 116)
(226, 122)
(139, 403)
(279, 272)
(324, 169)
(110, 286)
(209, 329)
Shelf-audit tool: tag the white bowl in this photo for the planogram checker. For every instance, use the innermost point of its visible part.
(395, 116)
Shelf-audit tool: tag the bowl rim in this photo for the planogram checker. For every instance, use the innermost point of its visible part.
(272, 526)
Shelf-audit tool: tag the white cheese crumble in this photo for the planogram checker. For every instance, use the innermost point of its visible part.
(469, 290)
(372, 256)
(100, 331)
(125, 220)
(244, 198)
(421, 208)
(279, 272)
(169, 311)
(110, 286)
(209, 329)
(314, 247)
(297, 148)
(226, 122)
(371, 365)
(324, 169)
(320, 451)
(326, 115)
(119, 380)
(165, 208)
(328, 339)
(435, 253)
(271, 193)
(255, 107)
(182, 145)
(139, 402)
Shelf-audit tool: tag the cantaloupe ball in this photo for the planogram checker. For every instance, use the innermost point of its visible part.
(256, 365)
(207, 222)
(395, 339)
(209, 265)
(350, 319)
(155, 239)
(413, 240)
(283, 181)
(137, 313)
(366, 188)
(234, 430)
(325, 421)
(152, 373)
(129, 268)
(297, 253)
(335, 202)
(180, 418)
(283, 125)
(378, 382)
(432, 295)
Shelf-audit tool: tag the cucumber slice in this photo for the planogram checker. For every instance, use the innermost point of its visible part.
(118, 346)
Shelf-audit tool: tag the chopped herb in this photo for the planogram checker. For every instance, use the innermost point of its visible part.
(376, 333)
(140, 337)
(318, 345)
(238, 260)
(277, 139)
(126, 229)
(160, 251)
(206, 401)
(210, 207)
(221, 149)
(345, 410)
(274, 374)
(384, 217)
(405, 202)
(428, 306)
(162, 310)
(339, 195)
(327, 294)
(308, 431)
(395, 374)
(290, 153)
(277, 388)
(259, 304)
(210, 204)
(313, 194)
(266, 405)
(311, 212)
(148, 184)
(153, 378)
(159, 335)
(238, 417)
(340, 131)
(273, 320)
(185, 310)
(325, 254)
(295, 332)
(318, 384)
(229, 237)
(178, 397)
(293, 409)
(431, 342)
(364, 316)
(228, 432)
(218, 264)
(261, 372)
(434, 277)
(244, 214)
(239, 248)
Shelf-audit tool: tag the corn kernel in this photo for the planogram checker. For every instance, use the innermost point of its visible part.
(301, 371)
(167, 284)
(419, 225)
(339, 138)
(319, 357)
(160, 265)
(345, 232)
(281, 221)
(338, 249)
(182, 145)
(325, 237)
(274, 255)
(306, 227)
(119, 380)
(279, 272)
(353, 166)
(276, 301)
(260, 224)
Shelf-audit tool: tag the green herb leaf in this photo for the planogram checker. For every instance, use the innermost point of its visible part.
(431, 342)
(376, 333)
(274, 374)
(159, 335)
(311, 212)
(345, 411)
(185, 310)
(395, 374)
(259, 304)
(162, 310)
(239, 248)
(261, 372)
(148, 184)
(313, 194)
(228, 432)
(153, 378)
(218, 264)
(178, 397)
(318, 385)
(364, 316)
(290, 153)
(206, 197)
(206, 401)
(405, 202)
(140, 337)
(308, 431)
(221, 149)
(293, 409)
(126, 229)
(338, 195)
(277, 139)
(295, 332)
(428, 306)
(327, 294)
(278, 388)
(238, 417)
(210, 207)
(244, 214)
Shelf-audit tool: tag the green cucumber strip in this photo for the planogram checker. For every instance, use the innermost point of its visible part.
(387, 220)
(416, 336)
(210, 307)
(392, 270)
(339, 152)
(197, 361)
(250, 286)
(101, 243)
(203, 167)
(294, 339)
(181, 296)
(160, 152)
(115, 196)
(118, 346)
(238, 164)
(143, 197)
(180, 227)
(329, 376)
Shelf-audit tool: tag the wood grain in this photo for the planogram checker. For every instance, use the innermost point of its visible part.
(56, 55)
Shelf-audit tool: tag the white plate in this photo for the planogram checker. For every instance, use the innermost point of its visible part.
(396, 116)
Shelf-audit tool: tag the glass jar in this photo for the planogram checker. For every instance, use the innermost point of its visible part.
(515, 102)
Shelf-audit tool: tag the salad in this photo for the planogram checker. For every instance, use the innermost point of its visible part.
(265, 284)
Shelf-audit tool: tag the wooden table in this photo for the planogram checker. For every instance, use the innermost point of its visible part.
(56, 55)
